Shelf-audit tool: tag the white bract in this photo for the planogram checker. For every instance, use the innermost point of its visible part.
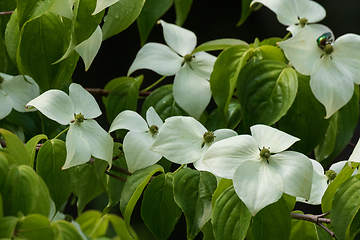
(191, 87)
(141, 136)
(85, 136)
(295, 13)
(319, 185)
(16, 92)
(333, 67)
(184, 140)
(260, 168)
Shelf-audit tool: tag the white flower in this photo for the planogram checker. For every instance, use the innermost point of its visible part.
(319, 185)
(15, 92)
(184, 140)
(333, 68)
(355, 155)
(295, 13)
(141, 136)
(85, 136)
(260, 168)
(191, 87)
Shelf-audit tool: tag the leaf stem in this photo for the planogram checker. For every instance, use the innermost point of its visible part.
(154, 84)
(181, 167)
(62, 132)
(287, 36)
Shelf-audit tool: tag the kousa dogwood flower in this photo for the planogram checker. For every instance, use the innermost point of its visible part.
(260, 168)
(184, 140)
(141, 136)
(355, 155)
(295, 13)
(333, 66)
(85, 137)
(15, 92)
(191, 87)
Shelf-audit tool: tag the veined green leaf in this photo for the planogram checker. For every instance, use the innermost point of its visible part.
(266, 91)
(30, 146)
(230, 217)
(193, 191)
(159, 210)
(182, 8)
(15, 148)
(36, 226)
(93, 223)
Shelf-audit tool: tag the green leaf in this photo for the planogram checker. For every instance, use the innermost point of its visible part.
(120, 228)
(216, 119)
(15, 147)
(225, 74)
(43, 41)
(272, 222)
(30, 146)
(86, 23)
(304, 230)
(305, 119)
(151, 12)
(245, 11)
(221, 187)
(353, 230)
(207, 230)
(230, 217)
(192, 192)
(266, 91)
(162, 100)
(124, 92)
(115, 186)
(24, 191)
(93, 223)
(12, 36)
(4, 169)
(67, 231)
(50, 159)
(219, 44)
(159, 210)
(133, 188)
(340, 131)
(120, 16)
(35, 227)
(182, 8)
(87, 186)
(7, 226)
(30, 9)
(345, 206)
(327, 199)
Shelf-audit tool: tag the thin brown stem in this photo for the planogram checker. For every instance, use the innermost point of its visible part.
(317, 219)
(6, 13)
(114, 176)
(105, 93)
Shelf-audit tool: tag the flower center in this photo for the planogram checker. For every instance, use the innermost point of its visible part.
(79, 118)
(303, 22)
(154, 129)
(188, 58)
(328, 49)
(265, 154)
(330, 175)
(208, 138)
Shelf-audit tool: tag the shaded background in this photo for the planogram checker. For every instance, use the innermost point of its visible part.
(209, 20)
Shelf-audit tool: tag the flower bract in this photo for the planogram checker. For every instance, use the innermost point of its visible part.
(184, 140)
(15, 93)
(141, 136)
(260, 168)
(85, 137)
(191, 87)
(295, 13)
(333, 68)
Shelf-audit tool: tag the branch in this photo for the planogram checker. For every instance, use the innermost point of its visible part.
(6, 13)
(317, 219)
(105, 93)
(114, 176)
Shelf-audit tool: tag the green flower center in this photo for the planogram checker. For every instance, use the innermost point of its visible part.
(79, 118)
(330, 175)
(328, 49)
(208, 137)
(265, 154)
(303, 22)
(188, 58)
(154, 129)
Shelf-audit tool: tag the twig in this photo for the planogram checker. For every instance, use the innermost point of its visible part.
(114, 176)
(6, 13)
(317, 219)
(105, 93)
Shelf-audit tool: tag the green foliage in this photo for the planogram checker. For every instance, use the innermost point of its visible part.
(159, 210)
(15, 148)
(192, 192)
(182, 8)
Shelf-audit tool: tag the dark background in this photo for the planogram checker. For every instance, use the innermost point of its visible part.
(209, 20)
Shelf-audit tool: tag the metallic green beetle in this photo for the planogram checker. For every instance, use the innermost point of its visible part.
(324, 39)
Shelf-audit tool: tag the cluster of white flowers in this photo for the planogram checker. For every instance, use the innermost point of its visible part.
(333, 66)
